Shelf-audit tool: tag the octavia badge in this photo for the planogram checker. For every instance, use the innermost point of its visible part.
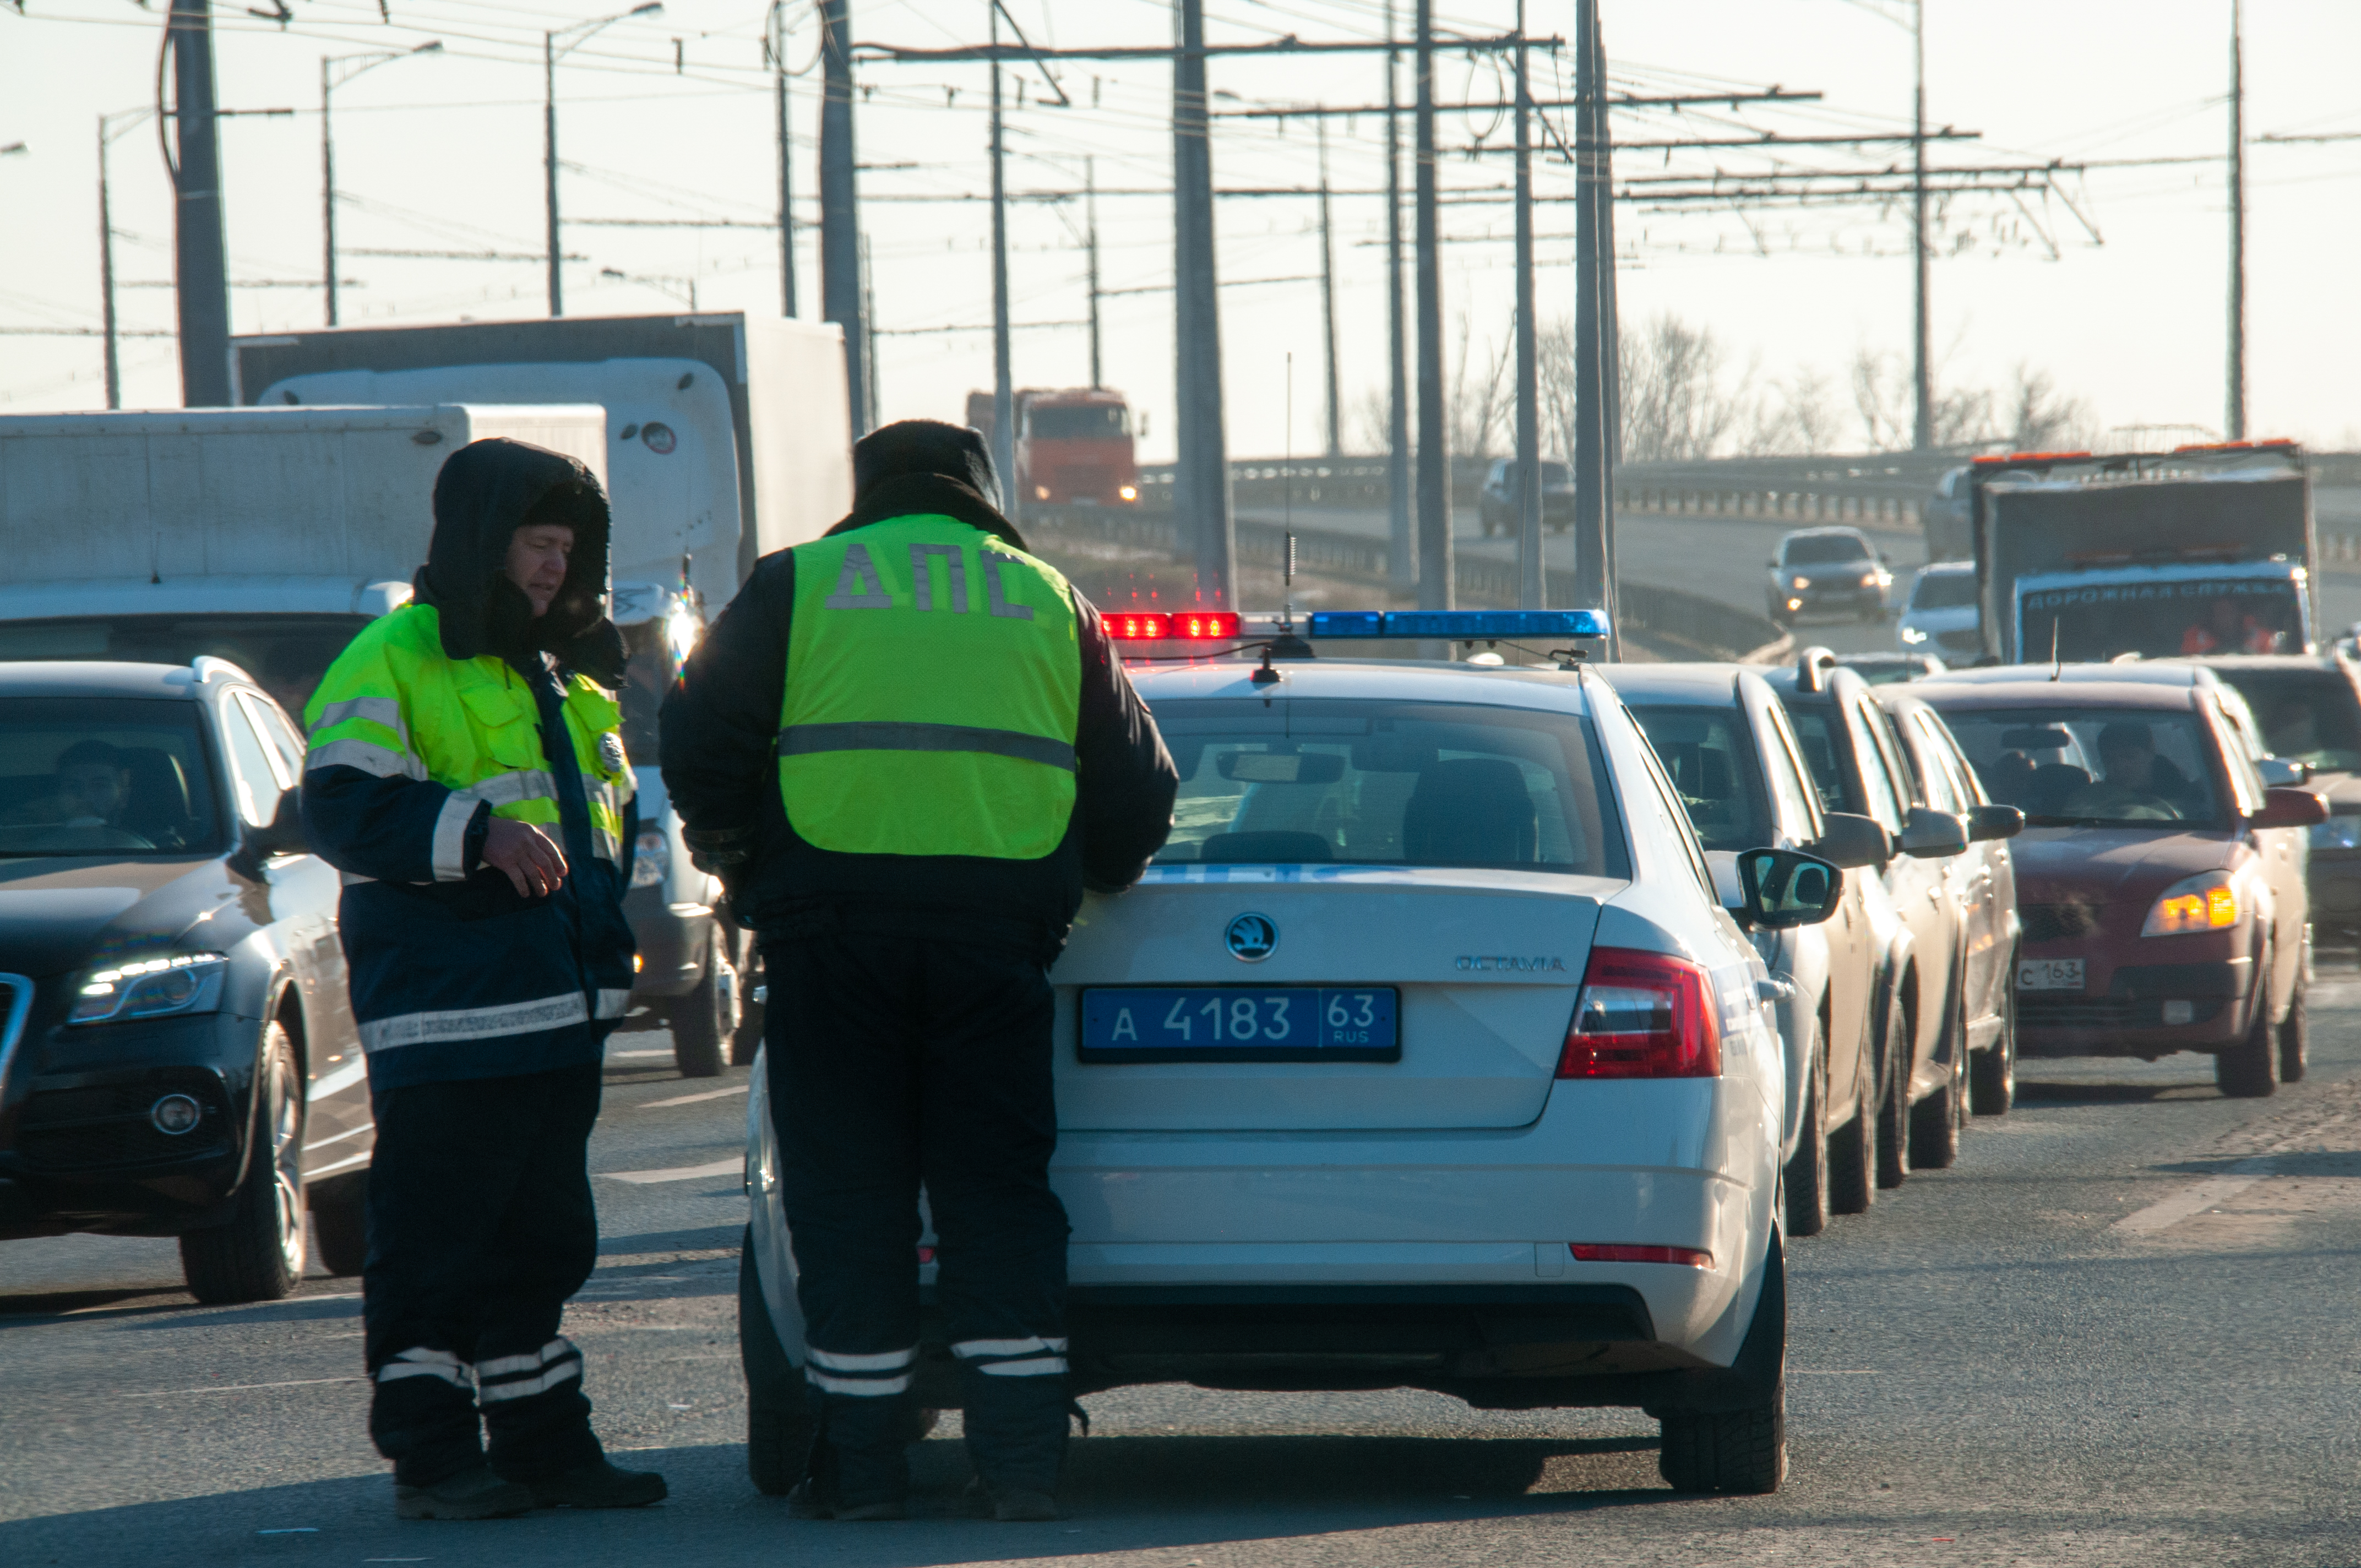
(1251, 937)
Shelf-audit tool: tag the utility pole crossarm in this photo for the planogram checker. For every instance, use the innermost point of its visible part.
(1320, 111)
(1022, 54)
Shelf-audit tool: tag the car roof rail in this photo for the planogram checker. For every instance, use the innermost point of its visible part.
(1808, 665)
(209, 669)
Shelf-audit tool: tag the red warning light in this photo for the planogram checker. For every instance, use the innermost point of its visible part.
(1190, 626)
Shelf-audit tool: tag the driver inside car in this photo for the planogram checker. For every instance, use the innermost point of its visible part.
(2135, 781)
(91, 787)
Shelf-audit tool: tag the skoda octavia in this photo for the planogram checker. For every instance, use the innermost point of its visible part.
(1425, 1054)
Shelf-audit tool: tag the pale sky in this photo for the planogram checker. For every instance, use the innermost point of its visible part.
(444, 151)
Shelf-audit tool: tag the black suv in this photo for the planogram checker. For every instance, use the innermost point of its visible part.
(178, 1055)
(1827, 571)
(1496, 501)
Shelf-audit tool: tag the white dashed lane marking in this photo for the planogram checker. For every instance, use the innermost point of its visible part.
(693, 1098)
(2195, 1200)
(733, 1166)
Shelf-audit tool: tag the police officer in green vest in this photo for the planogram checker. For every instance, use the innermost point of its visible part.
(466, 775)
(908, 750)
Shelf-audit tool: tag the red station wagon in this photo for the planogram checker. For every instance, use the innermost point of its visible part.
(2157, 881)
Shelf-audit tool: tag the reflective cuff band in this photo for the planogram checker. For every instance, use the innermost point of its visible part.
(420, 1362)
(378, 762)
(476, 1023)
(521, 1377)
(883, 1361)
(859, 1388)
(450, 855)
(806, 739)
(614, 1004)
(1039, 1366)
(968, 1349)
(524, 1389)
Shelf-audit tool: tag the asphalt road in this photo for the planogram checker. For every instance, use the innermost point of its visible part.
(1725, 559)
(1993, 1366)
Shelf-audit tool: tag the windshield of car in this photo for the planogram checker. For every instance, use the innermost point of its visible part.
(1822, 549)
(1077, 421)
(2093, 766)
(2308, 716)
(286, 655)
(1943, 591)
(2227, 615)
(110, 776)
(1388, 784)
(1706, 752)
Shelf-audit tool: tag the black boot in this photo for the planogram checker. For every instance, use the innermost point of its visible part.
(597, 1485)
(1017, 1441)
(473, 1494)
(859, 1466)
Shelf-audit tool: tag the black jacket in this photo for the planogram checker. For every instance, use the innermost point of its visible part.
(720, 737)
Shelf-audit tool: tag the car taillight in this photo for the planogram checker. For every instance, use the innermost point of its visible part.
(1609, 1252)
(1179, 626)
(1642, 1016)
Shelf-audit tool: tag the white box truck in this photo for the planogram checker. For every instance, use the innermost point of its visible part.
(269, 537)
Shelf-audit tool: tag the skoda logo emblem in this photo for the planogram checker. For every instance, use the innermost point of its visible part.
(1251, 937)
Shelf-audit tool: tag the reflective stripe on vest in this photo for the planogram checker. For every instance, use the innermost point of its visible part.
(932, 694)
(394, 706)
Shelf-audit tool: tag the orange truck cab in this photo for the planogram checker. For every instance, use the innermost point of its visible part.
(1073, 448)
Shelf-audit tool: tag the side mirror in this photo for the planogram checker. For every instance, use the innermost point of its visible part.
(2282, 773)
(285, 835)
(1847, 842)
(2289, 808)
(1787, 887)
(1988, 822)
(1930, 835)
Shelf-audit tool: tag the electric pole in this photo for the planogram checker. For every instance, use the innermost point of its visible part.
(200, 261)
(1922, 434)
(551, 51)
(1202, 475)
(1532, 580)
(1402, 568)
(106, 133)
(1328, 298)
(776, 43)
(1434, 569)
(328, 80)
(1003, 388)
(840, 245)
(1090, 245)
(2233, 418)
(1596, 419)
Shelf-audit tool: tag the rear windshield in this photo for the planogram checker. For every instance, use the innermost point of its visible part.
(1304, 781)
(104, 776)
(1706, 752)
(2228, 615)
(2308, 716)
(1828, 547)
(1944, 590)
(286, 655)
(2093, 766)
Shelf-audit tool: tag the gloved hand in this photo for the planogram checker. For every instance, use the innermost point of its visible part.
(727, 853)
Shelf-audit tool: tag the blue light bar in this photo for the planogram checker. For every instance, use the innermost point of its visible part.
(1458, 625)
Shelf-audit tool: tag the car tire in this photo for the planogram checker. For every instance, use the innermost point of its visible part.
(258, 1255)
(703, 1019)
(747, 1039)
(2295, 1038)
(1805, 1178)
(1992, 1076)
(1894, 1060)
(1936, 1121)
(340, 1224)
(1742, 1450)
(2250, 1069)
(1853, 1151)
(780, 1421)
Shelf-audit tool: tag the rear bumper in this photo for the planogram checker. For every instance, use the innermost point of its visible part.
(675, 941)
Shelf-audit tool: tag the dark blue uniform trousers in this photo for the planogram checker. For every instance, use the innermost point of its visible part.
(898, 1059)
(480, 1227)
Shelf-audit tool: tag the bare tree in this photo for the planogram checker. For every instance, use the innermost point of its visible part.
(1794, 418)
(2043, 419)
(1884, 397)
(1369, 421)
(1675, 405)
(1480, 404)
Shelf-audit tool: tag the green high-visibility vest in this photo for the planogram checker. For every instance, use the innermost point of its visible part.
(933, 693)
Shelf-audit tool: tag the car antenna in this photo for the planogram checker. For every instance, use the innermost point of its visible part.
(2057, 668)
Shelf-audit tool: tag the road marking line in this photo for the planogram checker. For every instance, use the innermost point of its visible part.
(236, 1387)
(693, 1098)
(624, 1056)
(2192, 1201)
(734, 1165)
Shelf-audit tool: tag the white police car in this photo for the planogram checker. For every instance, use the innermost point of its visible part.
(1425, 1054)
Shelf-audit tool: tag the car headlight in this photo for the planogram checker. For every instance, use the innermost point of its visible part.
(150, 987)
(2342, 832)
(1869, 579)
(652, 859)
(1912, 636)
(1128, 492)
(2205, 902)
(1799, 584)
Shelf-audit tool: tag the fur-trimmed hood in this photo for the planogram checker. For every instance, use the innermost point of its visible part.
(486, 491)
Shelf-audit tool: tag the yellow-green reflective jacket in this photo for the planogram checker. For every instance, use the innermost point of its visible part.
(932, 694)
(395, 706)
